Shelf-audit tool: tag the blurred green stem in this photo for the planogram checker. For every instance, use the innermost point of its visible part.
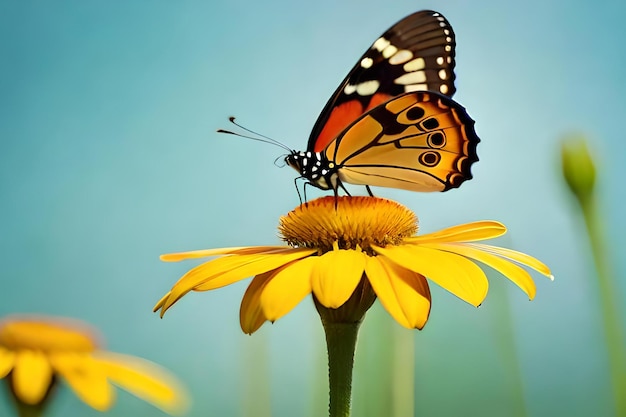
(25, 410)
(257, 396)
(403, 371)
(610, 312)
(504, 332)
(579, 173)
(29, 410)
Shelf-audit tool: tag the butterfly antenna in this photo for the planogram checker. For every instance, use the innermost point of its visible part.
(280, 161)
(257, 136)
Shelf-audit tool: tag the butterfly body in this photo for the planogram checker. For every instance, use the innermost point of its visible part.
(316, 168)
(392, 122)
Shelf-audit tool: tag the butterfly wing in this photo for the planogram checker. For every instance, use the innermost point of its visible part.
(417, 53)
(419, 141)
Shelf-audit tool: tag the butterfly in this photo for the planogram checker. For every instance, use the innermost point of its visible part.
(392, 121)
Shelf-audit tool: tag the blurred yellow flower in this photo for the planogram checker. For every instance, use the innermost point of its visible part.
(334, 245)
(36, 352)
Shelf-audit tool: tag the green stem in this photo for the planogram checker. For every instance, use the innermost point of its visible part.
(256, 401)
(403, 372)
(341, 343)
(30, 410)
(609, 307)
(505, 339)
(25, 410)
(341, 326)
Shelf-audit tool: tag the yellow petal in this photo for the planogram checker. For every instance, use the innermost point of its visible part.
(161, 303)
(145, 380)
(86, 377)
(7, 360)
(518, 275)
(518, 257)
(336, 275)
(403, 293)
(239, 250)
(251, 316)
(469, 232)
(32, 376)
(262, 264)
(287, 288)
(455, 273)
(226, 270)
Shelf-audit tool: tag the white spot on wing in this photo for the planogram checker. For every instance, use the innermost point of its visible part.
(389, 51)
(446, 31)
(443, 88)
(349, 89)
(380, 44)
(367, 62)
(411, 78)
(443, 74)
(414, 65)
(440, 60)
(415, 87)
(449, 59)
(448, 48)
(401, 57)
(367, 88)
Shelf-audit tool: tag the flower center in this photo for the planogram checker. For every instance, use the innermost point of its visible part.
(349, 222)
(18, 334)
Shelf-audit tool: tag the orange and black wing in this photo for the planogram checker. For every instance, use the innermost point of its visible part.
(415, 54)
(420, 141)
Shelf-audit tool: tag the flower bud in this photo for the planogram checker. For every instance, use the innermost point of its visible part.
(578, 167)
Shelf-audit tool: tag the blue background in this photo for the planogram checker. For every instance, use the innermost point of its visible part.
(109, 157)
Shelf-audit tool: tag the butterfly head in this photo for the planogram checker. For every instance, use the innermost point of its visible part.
(315, 167)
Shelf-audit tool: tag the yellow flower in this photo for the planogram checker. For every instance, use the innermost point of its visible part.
(338, 246)
(37, 352)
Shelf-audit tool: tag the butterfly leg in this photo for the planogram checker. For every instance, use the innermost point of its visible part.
(336, 192)
(295, 183)
(369, 191)
(306, 201)
(340, 184)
